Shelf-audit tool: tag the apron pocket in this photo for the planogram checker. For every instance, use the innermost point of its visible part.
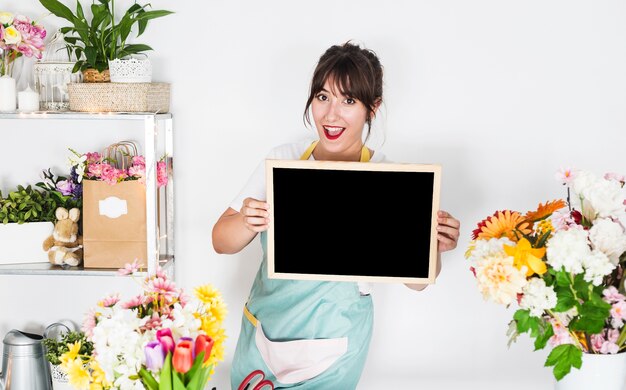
(299, 360)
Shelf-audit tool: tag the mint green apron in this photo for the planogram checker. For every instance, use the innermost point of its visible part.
(332, 322)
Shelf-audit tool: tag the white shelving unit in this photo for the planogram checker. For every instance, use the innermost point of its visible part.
(159, 215)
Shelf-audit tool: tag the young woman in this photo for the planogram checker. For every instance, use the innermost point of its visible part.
(310, 334)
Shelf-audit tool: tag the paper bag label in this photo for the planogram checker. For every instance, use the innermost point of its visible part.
(113, 207)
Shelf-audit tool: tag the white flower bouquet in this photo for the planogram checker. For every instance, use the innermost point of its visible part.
(563, 265)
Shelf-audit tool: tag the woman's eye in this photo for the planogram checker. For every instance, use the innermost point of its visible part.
(350, 101)
(322, 97)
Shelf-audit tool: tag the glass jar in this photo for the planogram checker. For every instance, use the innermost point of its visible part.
(52, 75)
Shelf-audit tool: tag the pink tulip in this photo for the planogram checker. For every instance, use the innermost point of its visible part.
(165, 338)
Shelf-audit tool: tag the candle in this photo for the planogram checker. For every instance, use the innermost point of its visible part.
(28, 100)
(7, 93)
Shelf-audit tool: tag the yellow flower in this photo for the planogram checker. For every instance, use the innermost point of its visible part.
(525, 255)
(206, 293)
(212, 300)
(77, 375)
(12, 36)
(544, 226)
(470, 249)
(71, 354)
(98, 375)
(504, 224)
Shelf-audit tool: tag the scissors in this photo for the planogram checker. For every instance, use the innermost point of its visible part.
(256, 381)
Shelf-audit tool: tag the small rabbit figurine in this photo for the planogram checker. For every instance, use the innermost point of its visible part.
(65, 246)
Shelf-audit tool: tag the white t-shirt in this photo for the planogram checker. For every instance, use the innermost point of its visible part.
(255, 187)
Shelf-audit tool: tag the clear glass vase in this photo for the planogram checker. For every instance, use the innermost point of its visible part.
(6, 62)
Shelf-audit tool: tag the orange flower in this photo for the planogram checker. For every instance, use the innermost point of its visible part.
(504, 223)
(545, 210)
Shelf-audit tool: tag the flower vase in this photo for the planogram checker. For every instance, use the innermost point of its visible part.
(8, 93)
(598, 371)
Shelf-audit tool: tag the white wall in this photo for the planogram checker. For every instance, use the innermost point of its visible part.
(501, 93)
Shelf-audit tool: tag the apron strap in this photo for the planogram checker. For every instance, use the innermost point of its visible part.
(250, 316)
(365, 152)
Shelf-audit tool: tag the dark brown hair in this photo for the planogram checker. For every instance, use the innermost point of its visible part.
(357, 73)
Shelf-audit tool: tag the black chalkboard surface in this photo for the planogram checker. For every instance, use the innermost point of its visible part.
(352, 221)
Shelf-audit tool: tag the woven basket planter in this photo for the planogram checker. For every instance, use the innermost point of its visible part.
(120, 97)
(92, 75)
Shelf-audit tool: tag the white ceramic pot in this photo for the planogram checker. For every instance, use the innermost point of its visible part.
(606, 372)
(131, 70)
(24, 243)
(59, 379)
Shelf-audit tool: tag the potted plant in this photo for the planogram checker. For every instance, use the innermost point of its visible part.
(73, 343)
(26, 217)
(103, 38)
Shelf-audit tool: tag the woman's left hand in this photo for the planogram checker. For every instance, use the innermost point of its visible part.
(447, 231)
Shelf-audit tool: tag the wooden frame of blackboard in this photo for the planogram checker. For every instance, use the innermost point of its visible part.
(289, 184)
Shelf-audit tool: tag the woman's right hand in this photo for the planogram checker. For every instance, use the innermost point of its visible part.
(256, 216)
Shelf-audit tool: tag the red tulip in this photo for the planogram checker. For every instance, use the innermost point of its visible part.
(204, 343)
(183, 359)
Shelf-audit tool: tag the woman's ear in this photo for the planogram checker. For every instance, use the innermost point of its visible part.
(377, 104)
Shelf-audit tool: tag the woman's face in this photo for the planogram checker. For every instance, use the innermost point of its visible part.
(339, 120)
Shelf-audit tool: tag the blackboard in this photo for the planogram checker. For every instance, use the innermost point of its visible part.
(352, 221)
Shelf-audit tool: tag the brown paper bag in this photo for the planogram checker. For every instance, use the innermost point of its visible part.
(114, 224)
(114, 216)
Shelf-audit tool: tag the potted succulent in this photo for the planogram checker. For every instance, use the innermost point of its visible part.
(104, 37)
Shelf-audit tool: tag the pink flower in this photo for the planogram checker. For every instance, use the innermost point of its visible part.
(129, 268)
(606, 345)
(137, 301)
(161, 174)
(93, 158)
(139, 161)
(565, 175)
(612, 295)
(160, 273)
(618, 314)
(109, 301)
(89, 323)
(163, 287)
(597, 340)
(137, 171)
(154, 322)
(561, 334)
(615, 176)
(95, 170)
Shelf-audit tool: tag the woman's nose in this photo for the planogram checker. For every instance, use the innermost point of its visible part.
(332, 111)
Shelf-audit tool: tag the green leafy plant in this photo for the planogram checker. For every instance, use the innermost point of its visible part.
(102, 38)
(55, 348)
(27, 205)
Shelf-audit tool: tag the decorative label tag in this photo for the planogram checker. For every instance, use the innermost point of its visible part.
(113, 207)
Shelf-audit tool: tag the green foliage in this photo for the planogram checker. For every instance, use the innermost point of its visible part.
(563, 358)
(55, 348)
(195, 379)
(94, 42)
(27, 205)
